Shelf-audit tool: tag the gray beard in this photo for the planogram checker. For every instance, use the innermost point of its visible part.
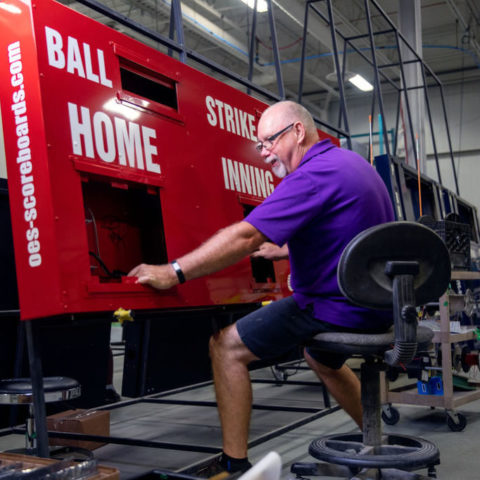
(279, 170)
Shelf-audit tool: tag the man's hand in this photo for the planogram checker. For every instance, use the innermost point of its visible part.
(270, 251)
(223, 249)
(160, 277)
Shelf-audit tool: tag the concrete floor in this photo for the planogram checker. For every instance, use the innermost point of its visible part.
(199, 425)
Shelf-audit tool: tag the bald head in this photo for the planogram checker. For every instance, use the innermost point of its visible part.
(286, 132)
(291, 112)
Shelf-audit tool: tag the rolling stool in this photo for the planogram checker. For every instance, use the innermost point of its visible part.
(399, 264)
(19, 391)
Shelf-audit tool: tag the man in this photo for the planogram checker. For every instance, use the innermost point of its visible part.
(328, 195)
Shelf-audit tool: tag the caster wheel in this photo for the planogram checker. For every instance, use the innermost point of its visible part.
(457, 427)
(390, 416)
(392, 374)
(279, 375)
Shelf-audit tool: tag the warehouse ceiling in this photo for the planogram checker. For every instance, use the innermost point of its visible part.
(220, 30)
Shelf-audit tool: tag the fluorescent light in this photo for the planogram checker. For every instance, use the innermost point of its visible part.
(261, 5)
(361, 83)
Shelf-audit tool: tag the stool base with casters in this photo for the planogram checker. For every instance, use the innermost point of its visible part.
(395, 266)
(19, 391)
(361, 452)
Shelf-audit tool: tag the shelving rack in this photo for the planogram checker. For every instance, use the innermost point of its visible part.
(450, 399)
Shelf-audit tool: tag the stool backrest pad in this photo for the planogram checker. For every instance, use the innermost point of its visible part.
(361, 272)
(395, 266)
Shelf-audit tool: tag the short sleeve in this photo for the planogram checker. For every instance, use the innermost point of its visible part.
(291, 206)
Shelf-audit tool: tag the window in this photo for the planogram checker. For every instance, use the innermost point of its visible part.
(160, 90)
(263, 270)
(124, 227)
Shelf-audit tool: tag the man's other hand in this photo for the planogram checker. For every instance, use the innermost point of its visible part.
(270, 251)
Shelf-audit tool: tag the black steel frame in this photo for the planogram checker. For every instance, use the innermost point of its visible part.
(377, 71)
(185, 53)
(312, 414)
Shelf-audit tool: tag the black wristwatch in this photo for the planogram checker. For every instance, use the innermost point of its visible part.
(178, 271)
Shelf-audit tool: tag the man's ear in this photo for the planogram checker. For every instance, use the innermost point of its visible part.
(299, 130)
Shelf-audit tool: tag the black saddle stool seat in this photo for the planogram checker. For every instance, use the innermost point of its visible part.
(19, 391)
(16, 391)
(395, 266)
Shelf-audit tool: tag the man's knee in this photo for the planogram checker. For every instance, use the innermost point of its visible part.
(226, 345)
(217, 343)
(317, 366)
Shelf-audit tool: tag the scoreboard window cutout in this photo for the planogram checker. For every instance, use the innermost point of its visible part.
(263, 270)
(147, 89)
(124, 227)
(163, 92)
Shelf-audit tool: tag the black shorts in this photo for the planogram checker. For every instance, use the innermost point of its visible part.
(280, 326)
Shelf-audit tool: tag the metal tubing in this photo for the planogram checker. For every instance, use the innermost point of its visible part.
(171, 30)
(38, 393)
(204, 403)
(405, 62)
(326, 396)
(399, 102)
(177, 15)
(186, 447)
(372, 113)
(339, 119)
(365, 35)
(8, 313)
(372, 424)
(449, 141)
(432, 132)
(145, 343)
(252, 45)
(291, 426)
(17, 369)
(343, 105)
(132, 442)
(331, 127)
(407, 104)
(276, 55)
(376, 71)
(304, 47)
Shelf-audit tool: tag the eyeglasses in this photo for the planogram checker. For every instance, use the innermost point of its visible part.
(268, 143)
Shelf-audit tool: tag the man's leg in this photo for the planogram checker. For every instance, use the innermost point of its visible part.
(230, 358)
(343, 384)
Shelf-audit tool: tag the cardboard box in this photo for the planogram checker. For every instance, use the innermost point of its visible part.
(89, 422)
(30, 462)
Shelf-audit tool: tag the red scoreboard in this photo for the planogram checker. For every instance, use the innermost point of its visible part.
(118, 154)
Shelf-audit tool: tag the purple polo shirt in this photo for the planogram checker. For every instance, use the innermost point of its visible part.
(333, 195)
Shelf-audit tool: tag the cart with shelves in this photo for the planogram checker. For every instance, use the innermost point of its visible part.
(450, 399)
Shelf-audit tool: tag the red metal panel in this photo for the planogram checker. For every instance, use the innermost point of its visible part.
(134, 157)
(29, 177)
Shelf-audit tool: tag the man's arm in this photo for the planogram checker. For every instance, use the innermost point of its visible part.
(225, 248)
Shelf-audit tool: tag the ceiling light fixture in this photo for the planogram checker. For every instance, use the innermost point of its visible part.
(261, 5)
(361, 83)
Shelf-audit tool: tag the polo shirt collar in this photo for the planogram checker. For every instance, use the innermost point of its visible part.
(320, 147)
